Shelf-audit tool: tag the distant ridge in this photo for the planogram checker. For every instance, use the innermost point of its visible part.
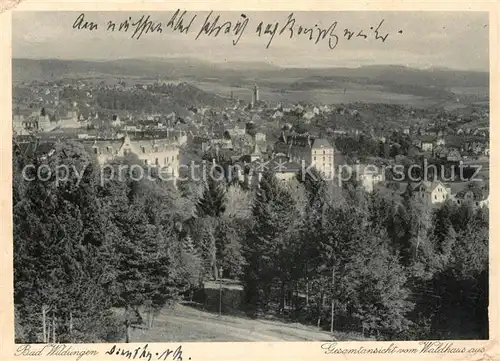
(195, 69)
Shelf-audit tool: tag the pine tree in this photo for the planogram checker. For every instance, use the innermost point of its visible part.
(366, 280)
(408, 193)
(213, 201)
(146, 244)
(60, 256)
(311, 235)
(229, 248)
(270, 246)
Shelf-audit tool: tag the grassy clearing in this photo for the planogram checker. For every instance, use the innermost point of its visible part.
(185, 323)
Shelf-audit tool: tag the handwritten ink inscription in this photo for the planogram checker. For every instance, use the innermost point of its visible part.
(214, 26)
(144, 353)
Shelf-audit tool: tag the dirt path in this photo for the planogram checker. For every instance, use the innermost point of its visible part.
(188, 324)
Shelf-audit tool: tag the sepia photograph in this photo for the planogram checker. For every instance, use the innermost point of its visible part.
(250, 176)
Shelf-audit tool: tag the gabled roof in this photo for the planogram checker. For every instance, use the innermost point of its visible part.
(429, 186)
(320, 143)
(427, 138)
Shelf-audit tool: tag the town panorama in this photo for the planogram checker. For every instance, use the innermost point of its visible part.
(162, 198)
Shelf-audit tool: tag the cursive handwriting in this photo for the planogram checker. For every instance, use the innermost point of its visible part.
(212, 28)
(315, 33)
(144, 26)
(377, 34)
(176, 22)
(215, 26)
(142, 352)
(81, 24)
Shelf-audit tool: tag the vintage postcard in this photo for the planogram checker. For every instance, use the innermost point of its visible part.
(243, 181)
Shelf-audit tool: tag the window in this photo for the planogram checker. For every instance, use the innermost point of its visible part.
(165, 161)
(177, 156)
(143, 149)
(157, 162)
(172, 158)
(314, 158)
(95, 150)
(435, 196)
(145, 161)
(324, 152)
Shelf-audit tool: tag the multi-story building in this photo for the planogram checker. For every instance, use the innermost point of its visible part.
(431, 193)
(315, 152)
(369, 176)
(36, 122)
(160, 153)
(236, 131)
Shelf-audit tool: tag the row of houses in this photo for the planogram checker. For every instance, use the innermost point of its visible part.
(162, 153)
(43, 121)
(289, 156)
(435, 193)
(452, 149)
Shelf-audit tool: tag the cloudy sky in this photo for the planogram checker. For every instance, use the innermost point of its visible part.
(420, 39)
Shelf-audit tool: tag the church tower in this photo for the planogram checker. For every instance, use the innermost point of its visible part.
(256, 93)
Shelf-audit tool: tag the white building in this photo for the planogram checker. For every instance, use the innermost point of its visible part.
(260, 137)
(160, 153)
(369, 176)
(116, 122)
(317, 152)
(431, 193)
(427, 146)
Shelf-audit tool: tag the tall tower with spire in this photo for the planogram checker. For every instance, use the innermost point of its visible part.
(255, 97)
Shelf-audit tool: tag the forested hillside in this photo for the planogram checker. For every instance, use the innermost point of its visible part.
(327, 256)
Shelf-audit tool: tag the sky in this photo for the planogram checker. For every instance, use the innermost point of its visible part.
(457, 40)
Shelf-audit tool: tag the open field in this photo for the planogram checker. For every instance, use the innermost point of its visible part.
(369, 94)
(184, 323)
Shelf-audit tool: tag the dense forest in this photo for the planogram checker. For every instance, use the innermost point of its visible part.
(88, 255)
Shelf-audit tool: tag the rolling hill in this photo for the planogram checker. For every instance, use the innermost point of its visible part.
(175, 68)
(437, 83)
